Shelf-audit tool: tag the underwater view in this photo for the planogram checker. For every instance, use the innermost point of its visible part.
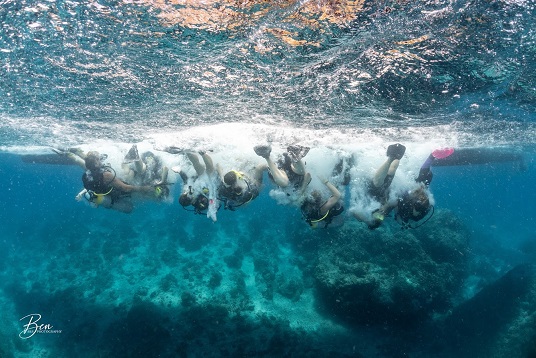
(220, 178)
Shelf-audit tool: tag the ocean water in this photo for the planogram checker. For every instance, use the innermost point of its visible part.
(345, 78)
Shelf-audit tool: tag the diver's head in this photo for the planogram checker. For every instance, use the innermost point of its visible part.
(185, 199)
(230, 181)
(93, 161)
(414, 205)
(315, 198)
(312, 203)
(230, 178)
(201, 203)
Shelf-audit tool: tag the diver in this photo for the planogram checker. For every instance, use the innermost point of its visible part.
(200, 190)
(146, 170)
(289, 170)
(103, 188)
(238, 189)
(412, 205)
(319, 213)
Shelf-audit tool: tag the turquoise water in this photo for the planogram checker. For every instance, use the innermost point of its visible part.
(347, 79)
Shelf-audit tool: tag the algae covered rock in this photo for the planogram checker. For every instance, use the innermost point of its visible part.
(392, 275)
(499, 321)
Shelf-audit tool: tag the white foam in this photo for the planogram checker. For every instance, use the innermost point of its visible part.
(231, 147)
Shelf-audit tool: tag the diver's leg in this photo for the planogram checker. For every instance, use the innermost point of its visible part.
(393, 167)
(259, 172)
(123, 205)
(395, 152)
(280, 177)
(195, 162)
(164, 176)
(306, 180)
(209, 165)
(298, 167)
(140, 166)
(382, 172)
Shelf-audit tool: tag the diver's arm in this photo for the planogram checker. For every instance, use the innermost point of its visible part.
(119, 184)
(386, 208)
(209, 165)
(77, 158)
(335, 197)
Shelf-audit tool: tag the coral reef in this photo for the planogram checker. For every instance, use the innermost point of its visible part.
(392, 275)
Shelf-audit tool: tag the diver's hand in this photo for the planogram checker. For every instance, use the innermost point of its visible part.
(80, 195)
(60, 151)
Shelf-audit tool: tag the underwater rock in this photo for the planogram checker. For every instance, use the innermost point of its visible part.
(392, 275)
(289, 287)
(499, 321)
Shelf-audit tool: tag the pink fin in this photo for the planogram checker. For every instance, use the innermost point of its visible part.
(442, 153)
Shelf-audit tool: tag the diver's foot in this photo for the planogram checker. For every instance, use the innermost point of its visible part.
(204, 151)
(175, 150)
(132, 154)
(263, 151)
(396, 151)
(297, 152)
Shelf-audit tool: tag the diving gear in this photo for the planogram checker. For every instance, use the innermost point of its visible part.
(396, 151)
(312, 215)
(378, 215)
(407, 224)
(96, 199)
(377, 219)
(263, 151)
(412, 207)
(297, 152)
(425, 176)
(442, 153)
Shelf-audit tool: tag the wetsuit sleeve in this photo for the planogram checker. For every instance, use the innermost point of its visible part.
(425, 173)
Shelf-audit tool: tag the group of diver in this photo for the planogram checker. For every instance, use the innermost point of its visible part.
(209, 188)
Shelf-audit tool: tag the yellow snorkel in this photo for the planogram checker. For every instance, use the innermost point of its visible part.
(97, 199)
(238, 174)
(314, 223)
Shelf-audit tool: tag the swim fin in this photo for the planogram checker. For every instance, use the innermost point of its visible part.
(263, 151)
(297, 152)
(396, 151)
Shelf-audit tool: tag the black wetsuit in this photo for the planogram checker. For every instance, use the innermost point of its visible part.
(381, 193)
(285, 164)
(233, 200)
(94, 181)
(314, 216)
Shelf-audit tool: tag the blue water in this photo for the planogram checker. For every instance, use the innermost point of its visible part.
(345, 78)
